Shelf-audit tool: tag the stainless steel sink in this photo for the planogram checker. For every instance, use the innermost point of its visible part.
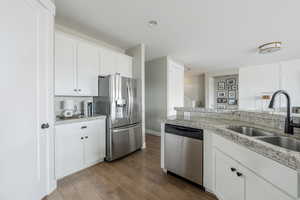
(250, 131)
(285, 142)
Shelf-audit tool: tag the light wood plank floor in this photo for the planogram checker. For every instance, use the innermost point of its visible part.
(136, 177)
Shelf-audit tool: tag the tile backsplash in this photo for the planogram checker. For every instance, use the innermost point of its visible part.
(78, 102)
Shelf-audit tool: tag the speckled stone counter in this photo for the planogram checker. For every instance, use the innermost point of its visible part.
(219, 126)
(76, 120)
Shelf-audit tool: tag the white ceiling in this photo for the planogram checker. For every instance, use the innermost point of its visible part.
(203, 34)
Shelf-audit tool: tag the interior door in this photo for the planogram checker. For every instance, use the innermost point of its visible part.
(87, 69)
(22, 65)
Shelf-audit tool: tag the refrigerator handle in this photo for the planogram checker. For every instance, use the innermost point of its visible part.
(129, 99)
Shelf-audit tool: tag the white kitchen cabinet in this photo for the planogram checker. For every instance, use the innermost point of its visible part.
(108, 62)
(94, 134)
(76, 67)
(65, 65)
(259, 189)
(79, 145)
(114, 62)
(69, 149)
(124, 65)
(228, 185)
(256, 181)
(87, 69)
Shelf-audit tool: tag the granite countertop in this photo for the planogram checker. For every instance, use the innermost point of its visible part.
(78, 119)
(284, 156)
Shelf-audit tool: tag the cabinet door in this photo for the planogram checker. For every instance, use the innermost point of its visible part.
(124, 65)
(94, 134)
(108, 62)
(87, 69)
(65, 65)
(68, 149)
(175, 77)
(258, 189)
(228, 186)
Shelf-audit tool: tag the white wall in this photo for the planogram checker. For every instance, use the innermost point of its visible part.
(194, 89)
(266, 79)
(138, 72)
(209, 84)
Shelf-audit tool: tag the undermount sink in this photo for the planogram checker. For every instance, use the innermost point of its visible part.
(285, 142)
(250, 131)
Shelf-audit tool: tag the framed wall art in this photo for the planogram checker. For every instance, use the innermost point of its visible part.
(231, 81)
(221, 94)
(221, 85)
(232, 94)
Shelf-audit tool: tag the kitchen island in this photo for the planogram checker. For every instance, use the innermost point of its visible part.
(234, 163)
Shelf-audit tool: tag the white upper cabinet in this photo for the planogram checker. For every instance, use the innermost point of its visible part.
(65, 65)
(78, 64)
(76, 67)
(108, 62)
(124, 65)
(114, 62)
(87, 69)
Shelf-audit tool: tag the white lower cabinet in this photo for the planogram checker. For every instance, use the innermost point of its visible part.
(78, 145)
(233, 181)
(228, 185)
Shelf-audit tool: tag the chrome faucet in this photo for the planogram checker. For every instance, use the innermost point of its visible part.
(289, 125)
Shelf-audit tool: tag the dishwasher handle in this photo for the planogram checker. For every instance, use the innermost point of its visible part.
(184, 131)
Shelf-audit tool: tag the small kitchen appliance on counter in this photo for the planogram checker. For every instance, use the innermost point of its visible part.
(88, 108)
(68, 108)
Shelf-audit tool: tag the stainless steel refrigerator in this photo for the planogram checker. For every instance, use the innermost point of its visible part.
(117, 99)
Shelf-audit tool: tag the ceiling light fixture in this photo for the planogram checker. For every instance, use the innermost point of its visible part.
(153, 23)
(269, 47)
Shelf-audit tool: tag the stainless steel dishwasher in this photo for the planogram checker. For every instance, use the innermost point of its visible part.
(184, 152)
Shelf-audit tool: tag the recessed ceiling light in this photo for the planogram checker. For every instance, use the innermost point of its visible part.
(269, 47)
(153, 23)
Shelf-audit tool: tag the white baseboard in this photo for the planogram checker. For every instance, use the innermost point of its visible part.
(152, 132)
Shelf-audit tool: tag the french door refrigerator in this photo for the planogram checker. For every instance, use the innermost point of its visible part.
(117, 99)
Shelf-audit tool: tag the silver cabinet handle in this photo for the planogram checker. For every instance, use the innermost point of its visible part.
(83, 127)
(75, 90)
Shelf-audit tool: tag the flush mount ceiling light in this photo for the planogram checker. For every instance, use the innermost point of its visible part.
(153, 23)
(269, 47)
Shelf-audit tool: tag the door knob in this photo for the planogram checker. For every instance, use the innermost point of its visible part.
(45, 126)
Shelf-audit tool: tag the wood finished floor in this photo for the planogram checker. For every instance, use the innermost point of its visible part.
(136, 177)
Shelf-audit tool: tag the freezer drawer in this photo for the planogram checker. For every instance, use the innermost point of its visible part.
(184, 153)
(124, 140)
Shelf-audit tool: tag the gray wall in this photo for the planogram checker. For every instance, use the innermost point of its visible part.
(194, 89)
(155, 93)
